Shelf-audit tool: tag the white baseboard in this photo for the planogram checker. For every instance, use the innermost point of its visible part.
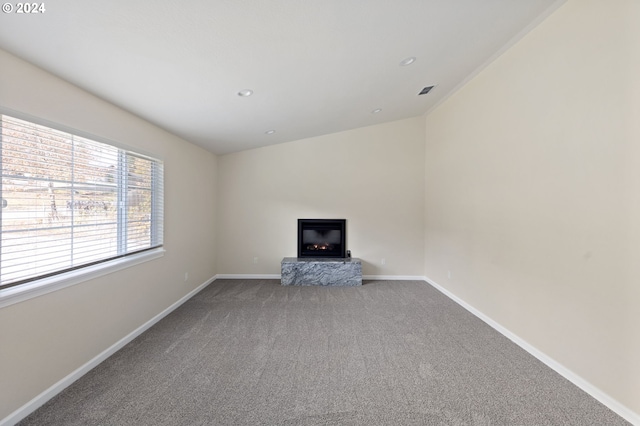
(247, 277)
(277, 277)
(615, 406)
(393, 277)
(58, 387)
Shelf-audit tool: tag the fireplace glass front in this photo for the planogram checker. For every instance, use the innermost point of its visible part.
(321, 237)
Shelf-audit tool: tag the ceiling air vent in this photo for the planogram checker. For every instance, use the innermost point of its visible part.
(426, 90)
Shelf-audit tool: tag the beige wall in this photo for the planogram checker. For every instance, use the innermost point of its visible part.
(44, 339)
(372, 176)
(533, 192)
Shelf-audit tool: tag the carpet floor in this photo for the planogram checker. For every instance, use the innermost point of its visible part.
(252, 352)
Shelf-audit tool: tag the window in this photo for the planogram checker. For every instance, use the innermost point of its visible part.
(70, 202)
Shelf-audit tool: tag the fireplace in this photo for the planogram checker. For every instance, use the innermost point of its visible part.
(321, 238)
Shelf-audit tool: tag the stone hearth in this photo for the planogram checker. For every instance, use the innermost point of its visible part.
(321, 271)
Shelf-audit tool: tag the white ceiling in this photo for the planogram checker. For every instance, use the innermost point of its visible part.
(315, 66)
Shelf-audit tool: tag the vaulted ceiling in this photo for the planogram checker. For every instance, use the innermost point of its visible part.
(314, 67)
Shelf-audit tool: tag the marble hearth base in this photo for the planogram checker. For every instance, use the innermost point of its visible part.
(318, 271)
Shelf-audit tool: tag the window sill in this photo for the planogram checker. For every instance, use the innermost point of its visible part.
(37, 288)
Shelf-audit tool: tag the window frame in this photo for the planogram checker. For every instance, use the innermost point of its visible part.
(47, 284)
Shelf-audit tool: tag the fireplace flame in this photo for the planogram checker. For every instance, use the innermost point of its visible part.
(325, 246)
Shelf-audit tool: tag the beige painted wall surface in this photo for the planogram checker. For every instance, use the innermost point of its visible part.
(533, 192)
(44, 339)
(373, 177)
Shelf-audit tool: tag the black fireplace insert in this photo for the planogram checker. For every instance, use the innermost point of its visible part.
(322, 237)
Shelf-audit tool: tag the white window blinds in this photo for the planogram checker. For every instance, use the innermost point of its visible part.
(69, 202)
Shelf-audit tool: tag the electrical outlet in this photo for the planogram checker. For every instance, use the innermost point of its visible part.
(383, 261)
(449, 274)
(255, 260)
(186, 277)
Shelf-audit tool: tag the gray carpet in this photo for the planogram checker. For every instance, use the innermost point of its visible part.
(251, 352)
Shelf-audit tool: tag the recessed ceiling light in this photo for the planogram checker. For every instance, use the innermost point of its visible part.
(407, 61)
(377, 110)
(246, 92)
(270, 132)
